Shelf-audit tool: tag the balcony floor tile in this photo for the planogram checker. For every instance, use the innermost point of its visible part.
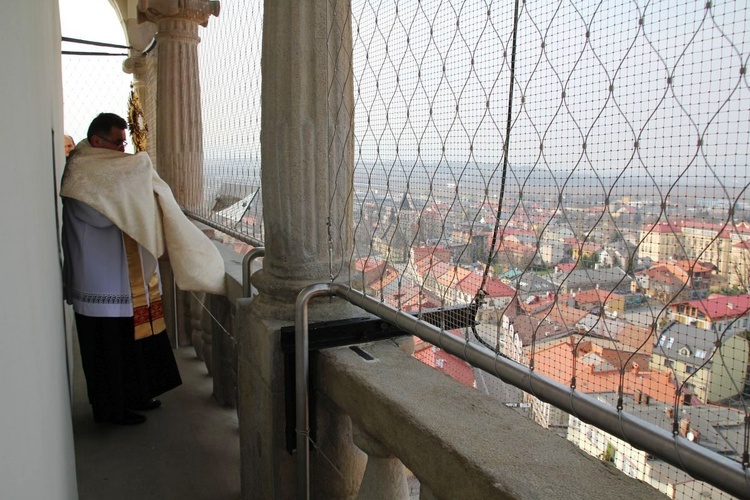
(188, 448)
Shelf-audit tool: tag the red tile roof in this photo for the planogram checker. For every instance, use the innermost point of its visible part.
(597, 369)
(494, 287)
(591, 296)
(717, 307)
(697, 267)
(438, 252)
(367, 263)
(562, 315)
(662, 274)
(566, 267)
(452, 366)
(412, 298)
(383, 280)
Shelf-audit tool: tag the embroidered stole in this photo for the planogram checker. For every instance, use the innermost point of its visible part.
(148, 315)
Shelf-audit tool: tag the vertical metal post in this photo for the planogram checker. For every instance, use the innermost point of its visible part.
(176, 321)
(302, 374)
(247, 271)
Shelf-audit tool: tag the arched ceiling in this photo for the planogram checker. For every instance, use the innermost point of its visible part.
(138, 36)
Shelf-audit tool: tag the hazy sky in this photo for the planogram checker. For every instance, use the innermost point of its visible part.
(91, 84)
(649, 90)
(434, 75)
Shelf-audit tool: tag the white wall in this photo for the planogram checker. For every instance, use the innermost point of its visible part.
(36, 438)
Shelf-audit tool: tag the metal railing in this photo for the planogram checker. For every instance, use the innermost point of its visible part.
(578, 169)
(696, 460)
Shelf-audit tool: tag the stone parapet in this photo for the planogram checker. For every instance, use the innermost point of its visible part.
(458, 442)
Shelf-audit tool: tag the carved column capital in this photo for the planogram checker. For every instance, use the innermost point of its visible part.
(197, 11)
(137, 65)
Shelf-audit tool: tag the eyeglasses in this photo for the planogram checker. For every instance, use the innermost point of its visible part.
(119, 143)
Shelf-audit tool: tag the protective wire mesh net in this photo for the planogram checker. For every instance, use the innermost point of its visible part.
(92, 85)
(574, 176)
(609, 249)
(229, 57)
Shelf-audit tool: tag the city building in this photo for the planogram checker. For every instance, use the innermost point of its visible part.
(717, 428)
(377, 410)
(711, 365)
(660, 241)
(688, 240)
(594, 366)
(671, 280)
(586, 251)
(594, 300)
(551, 252)
(739, 271)
(718, 313)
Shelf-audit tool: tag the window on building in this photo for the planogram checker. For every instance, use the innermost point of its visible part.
(629, 469)
(689, 369)
(591, 434)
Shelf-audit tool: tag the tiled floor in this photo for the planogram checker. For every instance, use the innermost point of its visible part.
(187, 450)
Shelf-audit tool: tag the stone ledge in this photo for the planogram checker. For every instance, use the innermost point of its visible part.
(458, 442)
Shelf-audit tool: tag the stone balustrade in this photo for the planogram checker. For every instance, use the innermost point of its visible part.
(457, 442)
(376, 418)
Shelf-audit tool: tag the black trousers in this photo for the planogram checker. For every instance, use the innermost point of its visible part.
(120, 371)
(106, 356)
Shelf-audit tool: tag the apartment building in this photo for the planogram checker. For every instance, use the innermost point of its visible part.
(717, 428)
(712, 372)
(688, 240)
(718, 313)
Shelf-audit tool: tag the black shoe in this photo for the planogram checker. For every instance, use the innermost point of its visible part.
(129, 418)
(151, 404)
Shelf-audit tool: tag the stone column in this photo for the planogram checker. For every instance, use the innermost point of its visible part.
(306, 145)
(385, 476)
(179, 130)
(336, 466)
(197, 331)
(307, 151)
(425, 493)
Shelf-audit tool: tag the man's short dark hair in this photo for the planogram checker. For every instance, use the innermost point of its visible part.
(103, 124)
